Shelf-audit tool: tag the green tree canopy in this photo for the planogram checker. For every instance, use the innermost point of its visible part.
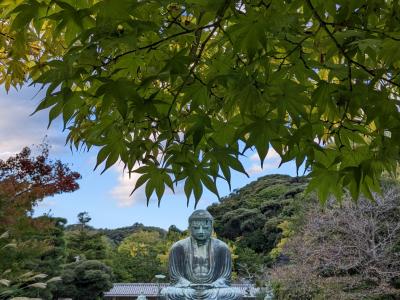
(85, 243)
(83, 218)
(138, 257)
(86, 280)
(180, 90)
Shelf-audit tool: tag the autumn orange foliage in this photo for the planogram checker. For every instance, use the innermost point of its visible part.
(26, 179)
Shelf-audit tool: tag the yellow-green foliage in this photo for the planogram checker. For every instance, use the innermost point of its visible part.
(143, 254)
(141, 243)
(287, 232)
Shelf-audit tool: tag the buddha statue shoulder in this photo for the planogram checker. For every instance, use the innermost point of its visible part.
(200, 266)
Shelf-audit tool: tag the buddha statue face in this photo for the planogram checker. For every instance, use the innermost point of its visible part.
(201, 225)
(200, 230)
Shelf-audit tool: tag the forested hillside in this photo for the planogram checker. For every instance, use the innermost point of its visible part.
(254, 220)
(253, 216)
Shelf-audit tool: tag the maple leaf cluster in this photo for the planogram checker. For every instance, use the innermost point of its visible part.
(26, 179)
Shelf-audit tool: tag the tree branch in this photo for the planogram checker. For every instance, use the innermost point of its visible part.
(154, 44)
(341, 49)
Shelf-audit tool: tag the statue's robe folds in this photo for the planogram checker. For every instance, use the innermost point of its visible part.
(215, 282)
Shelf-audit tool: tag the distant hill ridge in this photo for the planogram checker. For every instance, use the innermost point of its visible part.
(118, 234)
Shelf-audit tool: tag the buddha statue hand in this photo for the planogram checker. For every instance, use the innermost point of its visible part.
(183, 283)
(219, 283)
(201, 286)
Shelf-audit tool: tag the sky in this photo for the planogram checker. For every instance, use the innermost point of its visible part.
(106, 197)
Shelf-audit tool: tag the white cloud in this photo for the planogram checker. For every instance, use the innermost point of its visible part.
(268, 165)
(272, 154)
(271, 161)
(125, 185)
(121, 192)
(254, 169)
(19, 129)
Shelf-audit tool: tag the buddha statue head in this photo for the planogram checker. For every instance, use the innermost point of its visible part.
(201, 225)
